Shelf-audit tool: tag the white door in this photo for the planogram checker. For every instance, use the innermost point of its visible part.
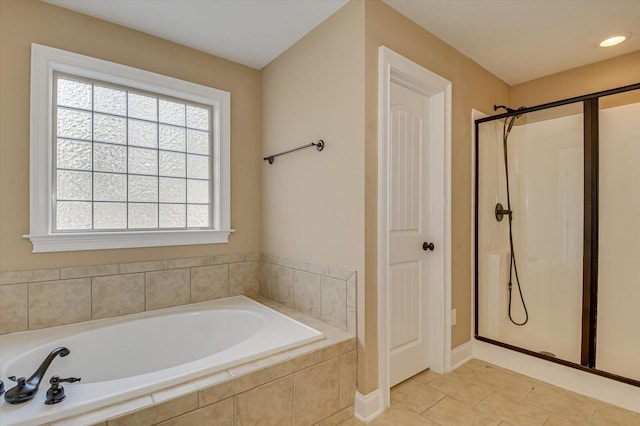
(408, 205)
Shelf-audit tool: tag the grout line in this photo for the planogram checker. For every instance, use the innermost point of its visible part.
(27, 308)
(526, 394)
(190, 290)
(485, 397)
(145, 291)
(293, 292)
(314, 273)
(235, 409)
(91, 297)
(293, 396)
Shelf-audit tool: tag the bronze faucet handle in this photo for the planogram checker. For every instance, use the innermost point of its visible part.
(56, 394)
(20, 380)
(56, 379)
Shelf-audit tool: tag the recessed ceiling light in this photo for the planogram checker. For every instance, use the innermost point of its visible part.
(613, 40)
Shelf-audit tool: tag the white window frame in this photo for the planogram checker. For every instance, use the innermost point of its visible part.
(47, 60)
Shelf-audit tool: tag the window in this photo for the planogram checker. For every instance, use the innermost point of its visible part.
(128, 160)
(137, 159)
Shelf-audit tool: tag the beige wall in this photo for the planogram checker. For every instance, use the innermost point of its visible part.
(313, 202)
(23, 22)
(473, 87)
(313, 205)
(609, 74)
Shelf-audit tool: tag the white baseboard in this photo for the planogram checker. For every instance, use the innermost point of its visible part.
(594, 386)
(461, 354)
(369, 406)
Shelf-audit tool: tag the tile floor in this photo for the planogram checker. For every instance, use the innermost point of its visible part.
(479, 393)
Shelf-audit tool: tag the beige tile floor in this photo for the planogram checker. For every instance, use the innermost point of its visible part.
(479, 394)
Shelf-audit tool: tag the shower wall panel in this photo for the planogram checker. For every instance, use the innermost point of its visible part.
(493, 239)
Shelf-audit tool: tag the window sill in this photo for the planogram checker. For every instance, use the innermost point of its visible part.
(131, 239)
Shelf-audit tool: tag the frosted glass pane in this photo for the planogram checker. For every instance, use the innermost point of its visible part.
(197, 142)
(72, 185)
(172, 216)
(74, 124)
(172, 138)
(143, 215)
(172, 164)
(142, 106)
(109, 158)
(109, 187)
(74, 94)
(172, 112)
(173, 190)
(197, 166)
(111, 101)
(73, 155)
(197, 216)
(143, 161)
(143, 188)
(197, 118)
(107, 128)
(73, 215)
(197, 191)
(142, 133)
(110, 216)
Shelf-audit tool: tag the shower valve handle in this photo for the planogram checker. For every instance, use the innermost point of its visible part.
(501, 212)
(428, 246)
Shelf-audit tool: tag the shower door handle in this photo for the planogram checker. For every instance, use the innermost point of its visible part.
(428, 246)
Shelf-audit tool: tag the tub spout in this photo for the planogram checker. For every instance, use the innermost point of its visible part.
(26, 389)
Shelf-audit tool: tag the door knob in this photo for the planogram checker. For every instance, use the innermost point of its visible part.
(427, 246)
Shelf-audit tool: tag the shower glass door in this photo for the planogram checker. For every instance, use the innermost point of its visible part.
(618, 332)
(541, 255)
(557, 244)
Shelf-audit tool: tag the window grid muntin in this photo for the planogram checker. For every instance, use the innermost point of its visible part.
(212, 121)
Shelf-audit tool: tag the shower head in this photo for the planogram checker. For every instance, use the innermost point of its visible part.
(504, 107)
(511, 121)
(513, 117)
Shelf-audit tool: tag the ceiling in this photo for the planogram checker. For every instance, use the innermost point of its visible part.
(250, 32)
(517, 40)
(520, 40)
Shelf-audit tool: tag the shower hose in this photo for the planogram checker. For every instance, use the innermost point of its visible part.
(513, 266)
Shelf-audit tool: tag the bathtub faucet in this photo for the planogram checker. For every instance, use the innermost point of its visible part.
(26, 389)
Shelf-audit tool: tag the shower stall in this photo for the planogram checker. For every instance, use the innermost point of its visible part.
(557, 231)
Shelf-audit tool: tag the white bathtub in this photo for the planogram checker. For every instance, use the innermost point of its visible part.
(125, 357)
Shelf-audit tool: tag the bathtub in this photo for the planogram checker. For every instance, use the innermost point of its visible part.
(121, 358)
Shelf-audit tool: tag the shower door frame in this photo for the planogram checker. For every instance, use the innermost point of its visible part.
(591, 113)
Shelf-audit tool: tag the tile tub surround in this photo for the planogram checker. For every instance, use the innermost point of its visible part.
(321, 291)
(103, 291)
(313, 384)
